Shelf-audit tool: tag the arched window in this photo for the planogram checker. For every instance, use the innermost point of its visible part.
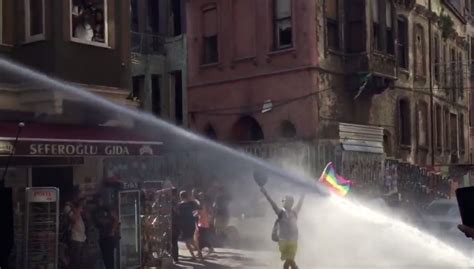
(402, 46)
(287, 129)
(422, 117)
(247, 129)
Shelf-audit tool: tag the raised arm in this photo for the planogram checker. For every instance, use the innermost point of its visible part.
(299, 204)
(270, 200)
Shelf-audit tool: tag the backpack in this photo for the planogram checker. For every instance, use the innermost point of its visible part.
(275, 229)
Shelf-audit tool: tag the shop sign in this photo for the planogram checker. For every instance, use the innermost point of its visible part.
(84, 149)
(42, 195)
(6, 148)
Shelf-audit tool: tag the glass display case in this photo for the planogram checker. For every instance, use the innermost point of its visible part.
(129, 217)
(42, 225)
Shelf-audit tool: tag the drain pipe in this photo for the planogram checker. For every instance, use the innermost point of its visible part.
(430, 56)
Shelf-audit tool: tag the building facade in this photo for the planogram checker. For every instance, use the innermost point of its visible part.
(159, 58)
(379, 78)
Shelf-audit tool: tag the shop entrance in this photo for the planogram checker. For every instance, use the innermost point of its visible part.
(59, 177)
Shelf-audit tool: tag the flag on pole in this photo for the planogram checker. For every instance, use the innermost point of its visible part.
(335, 182)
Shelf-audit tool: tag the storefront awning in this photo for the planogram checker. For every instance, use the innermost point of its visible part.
(54, 140)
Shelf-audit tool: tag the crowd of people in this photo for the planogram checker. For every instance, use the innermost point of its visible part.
(197, 220)
(89, 234)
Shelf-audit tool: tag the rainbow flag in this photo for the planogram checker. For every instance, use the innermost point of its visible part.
(335, 182)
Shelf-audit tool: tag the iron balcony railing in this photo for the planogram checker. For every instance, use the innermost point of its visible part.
(144, 43)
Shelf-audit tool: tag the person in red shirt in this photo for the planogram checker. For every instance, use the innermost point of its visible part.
(203, 234)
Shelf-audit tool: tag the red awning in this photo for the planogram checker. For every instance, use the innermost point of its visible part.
(73, 140)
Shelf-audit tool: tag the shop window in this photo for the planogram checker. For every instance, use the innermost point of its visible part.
(462, 143)
(420, 60)
(454, 133)
(354, 11)
(283, 24)
(155, 95)
(89, 22)
(404, 122)
(422, 124)
(402, 42)
(153, 17)
(176, 14)
(332, 23)
(436, 59)
(34, 20)
(439, 128)
(210, 37)
(287, 129)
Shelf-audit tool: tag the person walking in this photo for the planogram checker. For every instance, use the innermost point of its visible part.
(203, 235)
(78, 235)
(187, 220)
(175, 225)
(287, 235)
(107, 223)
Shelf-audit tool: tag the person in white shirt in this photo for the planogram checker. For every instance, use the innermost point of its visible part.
(78, 235)
(84, 29)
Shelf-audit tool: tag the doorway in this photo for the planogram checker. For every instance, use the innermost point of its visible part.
(59, 177)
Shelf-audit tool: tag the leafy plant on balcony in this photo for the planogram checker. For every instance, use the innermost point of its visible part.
(446, 25)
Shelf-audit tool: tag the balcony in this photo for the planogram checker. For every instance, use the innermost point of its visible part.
(147, 44)
(378, 64)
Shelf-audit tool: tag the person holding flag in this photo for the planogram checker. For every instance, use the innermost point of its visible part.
(285, 230)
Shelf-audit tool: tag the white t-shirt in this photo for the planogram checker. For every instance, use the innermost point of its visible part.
(78, 229)
(84, 32)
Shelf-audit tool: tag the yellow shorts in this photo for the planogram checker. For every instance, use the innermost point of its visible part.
(288, 249)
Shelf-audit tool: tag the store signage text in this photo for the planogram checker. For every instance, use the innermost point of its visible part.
(6, 148)
(42, 196)
(78, 150)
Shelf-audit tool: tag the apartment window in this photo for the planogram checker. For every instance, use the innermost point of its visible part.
(453, 80)
(454, 133)
(177, 84)
(153, 17)
(155, 95)
(422, 124)
(460, 74)
(382, 26)
(1, 22)
(445, 65)
(89, 22)
(210, 38)
(405, 122)
(462, 142)
(447, 131)
(332, 23)
(176, 17)
(354, 37)
(34, 20)
(377, 39)
(283, 24)
(419, 51)
(471, 59)
(439, 128)
(402, 42)
(389, 27)
(138, 89)
(436, 59)
(134, 15)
